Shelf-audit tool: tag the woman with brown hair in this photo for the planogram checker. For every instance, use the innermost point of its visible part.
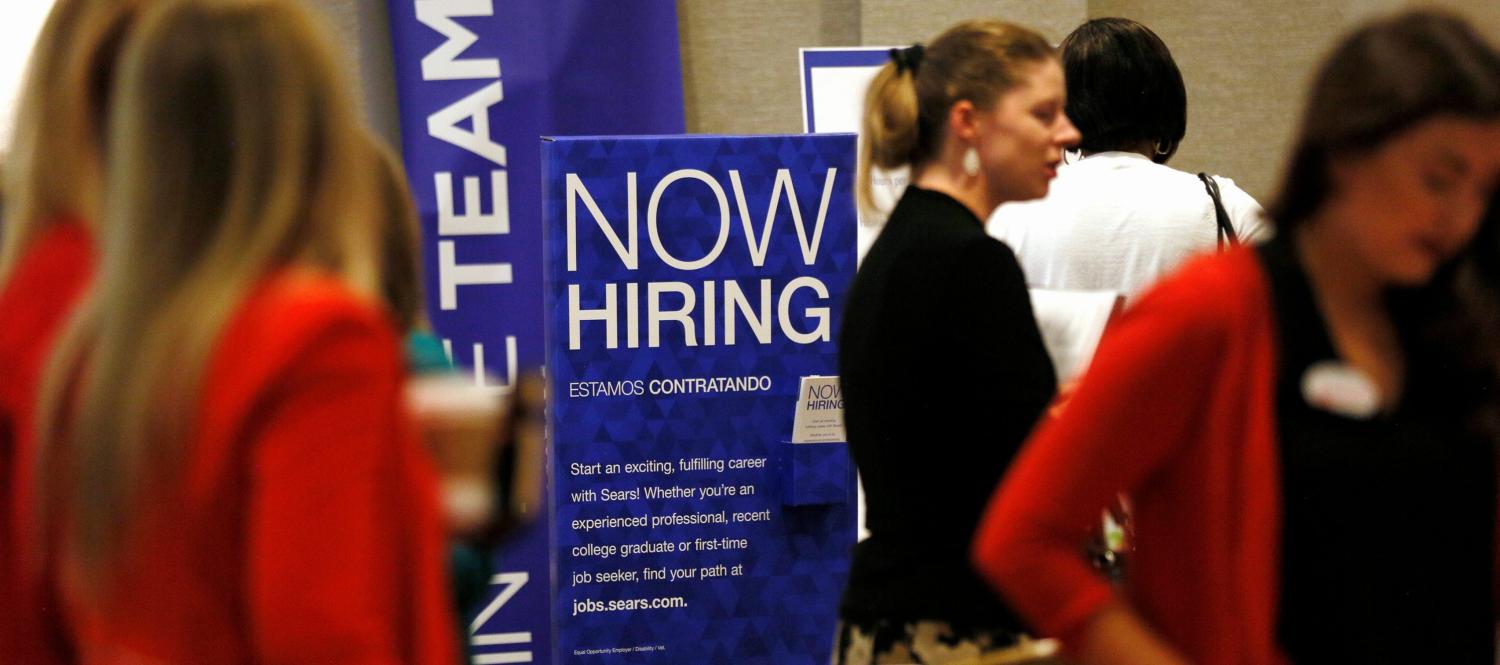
(942, 367)
(51, 185)
(1307, 428)
(400, 241)
(227, 471)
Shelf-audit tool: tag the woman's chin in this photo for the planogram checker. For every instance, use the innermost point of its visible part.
(1037, 191)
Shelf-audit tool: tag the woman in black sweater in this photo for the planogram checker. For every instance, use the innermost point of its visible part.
(943, 369)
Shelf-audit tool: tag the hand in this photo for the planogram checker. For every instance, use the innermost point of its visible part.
(1060, 402)
(459, 423)
(1118, 636)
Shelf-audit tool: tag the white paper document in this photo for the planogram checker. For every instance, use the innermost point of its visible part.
(1072, 322)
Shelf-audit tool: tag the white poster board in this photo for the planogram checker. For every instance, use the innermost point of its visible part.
(834, 81)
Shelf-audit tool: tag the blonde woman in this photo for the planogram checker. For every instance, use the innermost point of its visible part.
(52, 172)
(228, 473)
(51, 190)
(942, 365)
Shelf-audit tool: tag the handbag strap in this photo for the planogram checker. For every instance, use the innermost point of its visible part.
(1221, 217)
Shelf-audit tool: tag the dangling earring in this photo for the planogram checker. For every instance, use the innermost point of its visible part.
(971, 162)
(1162, 151)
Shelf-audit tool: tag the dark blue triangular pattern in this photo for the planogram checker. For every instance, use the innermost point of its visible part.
(782, 608)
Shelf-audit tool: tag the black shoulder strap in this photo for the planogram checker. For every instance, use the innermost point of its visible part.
(1226, 230)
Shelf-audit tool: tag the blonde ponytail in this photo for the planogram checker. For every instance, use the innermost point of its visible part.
(888, 134)
(908, 101)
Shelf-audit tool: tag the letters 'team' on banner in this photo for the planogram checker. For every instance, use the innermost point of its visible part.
(691, 283)
(478, 82)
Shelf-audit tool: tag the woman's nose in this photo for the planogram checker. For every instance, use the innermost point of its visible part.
(1067, 134)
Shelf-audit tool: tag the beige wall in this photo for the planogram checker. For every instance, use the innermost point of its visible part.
(903, 22)
(1246, 62)
(1247, 66)
(739, 59)
(363, 30)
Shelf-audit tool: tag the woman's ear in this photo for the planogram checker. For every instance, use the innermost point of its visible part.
(963, 120)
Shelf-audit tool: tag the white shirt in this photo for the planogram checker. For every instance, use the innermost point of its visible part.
(1117, 221)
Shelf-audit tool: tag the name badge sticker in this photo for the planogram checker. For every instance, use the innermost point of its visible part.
(1340, 389)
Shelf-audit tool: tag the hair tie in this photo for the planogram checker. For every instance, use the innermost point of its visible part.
(907, 59)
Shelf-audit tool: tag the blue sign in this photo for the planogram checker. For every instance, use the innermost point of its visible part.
(478, 83)
(691, 283)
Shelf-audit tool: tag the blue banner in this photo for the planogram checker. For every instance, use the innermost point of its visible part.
(478, 83)
(691, 283)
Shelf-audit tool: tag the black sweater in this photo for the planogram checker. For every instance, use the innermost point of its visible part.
(1387, 522)
(944, 375)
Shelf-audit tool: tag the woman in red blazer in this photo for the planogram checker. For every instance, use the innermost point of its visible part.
(227, 473)
(1307, 427)
(50, 193)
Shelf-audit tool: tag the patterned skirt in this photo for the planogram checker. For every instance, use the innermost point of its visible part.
(936, 643)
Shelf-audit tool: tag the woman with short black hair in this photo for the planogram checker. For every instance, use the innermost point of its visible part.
(1119, 218)
(1125, 92)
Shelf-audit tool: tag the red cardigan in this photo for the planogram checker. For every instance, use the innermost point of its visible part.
(35, 301)
(305, 525)
(1177, 410)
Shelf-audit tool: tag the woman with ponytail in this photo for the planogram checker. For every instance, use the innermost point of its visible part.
(943, 369)
(226, 471)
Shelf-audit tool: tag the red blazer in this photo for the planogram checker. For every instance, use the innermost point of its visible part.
(1177, 410)
(305, 525)
(35, 301)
